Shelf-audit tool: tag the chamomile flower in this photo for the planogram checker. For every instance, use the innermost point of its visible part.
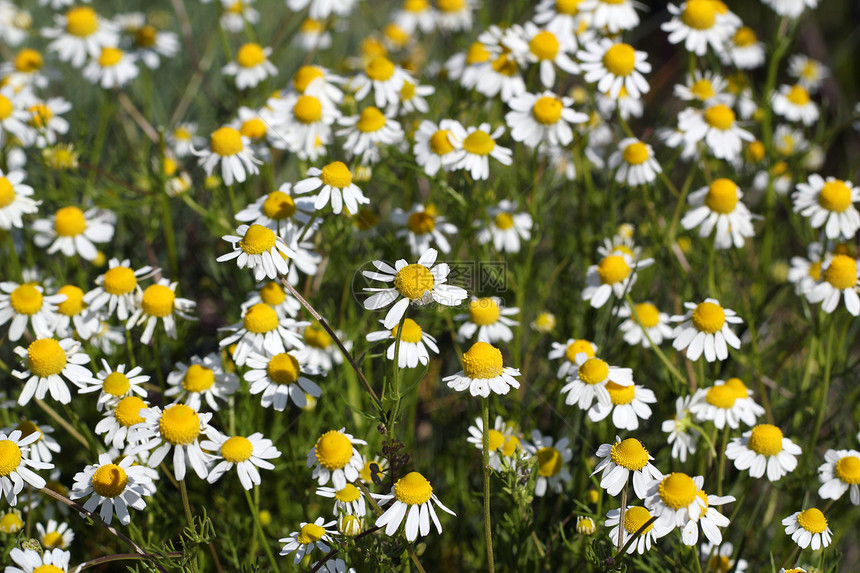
(614, 15)
(764, 449)
(634, 518)
(725, 404)
(489, 318)
(809, 73)
(744, 49)
(414, 344)
(706, 87)
(454, 15)
(275, 295)
(113, 68)
(423, 225)
(699, 24)
(320, 353)
(115, 384)
(419, 283)
(26, 303)
(263, 331)
(44, 122)
(15, 196)
(719, 559)
(55, 535)
(628, 405)
(159, 301)
(201, 379)
(806, 272)
(682, 435)
(347, 500)
(413, 499)
(183, 139)
(247, 455)
(502, 440)
(310, 535)
(544, 117)
(619, 460)
(614, 274)
(16, 461)
(830, 204)
(569, 352)
(334, 457)
(479, 144)
(585, 525)
(506, 227)
(312, 36)
(553, 458)
(635, 162)
(718, 206)
(305, 123)
(49, 365)
(483, 372)
(279, 378)
(51, 561)
(335, 182)
(808, 528)
(416, 15)
(716, 126)
(436, 146)
(840, 275)
(80, 32)
(795, 104)
(118, 288)
(368, 132)
(565, 19)
(615, 65)
(839, 473)
(232, 150)
(413, 97)
(675, 499)
(45, 446)
(13, 115)
(71, 230)
(113, 487)
(260, 249)
(648, 325)
(177, 427)
(24, 71)
(384, 78)
(236, 13)
(705, 329)
(119, 419)
(251, 66)
(152, 44)
(73, 315)
(709, 519)
(790, 8)
(534, 45)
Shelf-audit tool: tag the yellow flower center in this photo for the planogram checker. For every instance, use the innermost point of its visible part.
(10, 457)
(503, 221)
(593, 371)
(699, 14)
(69, 222)
(505, 65)
(158, 301)
(451, 5)
(251, 55)
(27, 428)
(110, 57)
(812, 520)
(145, 37)
(179, 424)
(119, 280)
(236, 7)
(254, 128)
(755, 151)
(336, 174)
(407, 92)
(310, 533)
(636, 153)
(6, 109)
(547, 110)
(738, 387)
(569, 7)
(798, 95)
(371, 120)
(198, 378)
(544, 45)
(496, 440)
(484, 311)
(28, 61)
(11, 522)
(835, 196)
(237, 449)
(702, 89)
(482, 361)
(649, 315)
(630, 454)
(316, 336)
(613, 269)
(53, 540)
(720, 117)
(41, 114)
(379, 69)
(744, 37)
(439, 143)
(7, 192)
(848, 470)
(549, 461)
(635, 517)
(226, 141)
(766, 440)
(721, 564)
(620, 59)
(333, 450)
(677, 490)
(413, 489)
(109, 480)
(273, 294)
(511, 446)
(415, 5)
(283, 368)
(709, 317)
(411, 331)
(304, 76)
(47, 569)
(26, 299)
(46, 357)
(348, 494)
(842, 272)
(477, 54)
(116, 384)
(258, 239)
(308, 109)
(278, 205)
(412, 281)
(260, 318)
(421, 223)
(127, 412)
(620, 394)
(577, 347)
(722, 196)
(479, 143)
(81, 21)
(722, 397)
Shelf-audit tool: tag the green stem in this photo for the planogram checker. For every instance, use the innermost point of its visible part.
(722, 465)
(13, 254)
(169, 236)
(657, 350)
(255, 511)
(488, 530)
(190, 519)
(828, 365)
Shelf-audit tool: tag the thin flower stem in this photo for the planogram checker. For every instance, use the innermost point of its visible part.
(255, 512)
(722, 464)
(660, 354)
(190, 518)
(394, 390)
(378, 510)
(116, 557)
(488, 530)
(16, 262)
(621, 517)
(62, 422)
(640, 531)
(825, 390)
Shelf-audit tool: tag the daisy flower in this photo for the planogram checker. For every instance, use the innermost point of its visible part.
(203, 378)
(489, 318)
(699, 24)
(479, 144)
(806, 272)
(628, 405)
(151, 44)
(251, 67)
(50, 363)
(635, 162)
(113, 68)
(565, 19)
(320, 353)
(247, 455)
(454, 15)
(416, 15)
(183, 138)
(544, 48)
(15, 196)
(614, 15)
(436, 147)
(709, 519)
(718, 206)
(613, 66)
(367, 132)
(159, 301)
(506, 227)
(809, 73)
(384, 78)
(614, 274)
(719, 559)
(236, 13)
(116, 423)
(648, 325)
(26, 303)
(715, 126)
(423, 225)
(418, 283)
(634, 518)
(16, 461)
(501, 76)
(74, 316)
(414, 343)
(705, 329)
(179, 427)
(55, 535)
(25, 70)
(543, 117)
(764, 448)
(725, 404)
(808, 528)
(230, 148)
(347, 501)
(335, 181)
(72, 230)
(321, 10)
(839, 276)
(795, 104)
(552, 461)
(502, 442)
(279, 378)
(413, 500)
(675, 500)
(30, 561)
(260, 249)
(569, 351)
(80, 32)
(114, 487)
(830, 204)
(483, 372)
(310, 535)
(682, 435)
(45, 446)
(790, 8)
(585, 525)
(413, 98)
(261, 330)
(839, 473)
(113, 385)
(305, 123)
(319, 82)
(745, 50)
(312, 36)
(335, 457)
(13, 115)
(45, 123)
(619, 460)
(118, 288)
(275, 295)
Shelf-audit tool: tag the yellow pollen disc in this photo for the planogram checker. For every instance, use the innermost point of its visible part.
(379, 69)
(396, 35)
(620, 394)
(503, 221)
(198, 378)
(677, 490)
(81, 21)
(127, 412)
(547, 110)
(308, 109)
(612, 269)
(110, 57)
(479, 143)
(569, 7)
(336, 174)
(635, 517)
(170, 166)
(744, 37)
(766, 440)
(254, 128)
(46, 357)
(636, 153)
(549, 461)
(738, 387)
(835, 196)
(720, 117)
(109, 480)
(722, 564)
(415, 5)
(411, 331)
(613, 1)
(722, 196)
(699, 14)
(812, 520)
(371, 120)
(10, 457)
(576, 347)
(413, 489)
(544, 45)
(421, 223)
(756, 151)
(26, 299)
(69, 222)
(116, 384)
(311, 26)
(7, 192)
(842, 272)
(649, 315)
(407, 92)
(273, 294)
(260, 318)
(511, 446)
(348, 494)
(27, 428)
(6, 109)
(848, 470)
(278, 205)
(709, 317)
(304, 76)
(722, 397)
(439, 142)
(316, 336)
(158, 301)
(179, 424)
(593, 371)
(620, 59)
(119, 280)
(226, 141)
(53, 540)
(412, 281)
(28, 61)
(477, 54)
(482, 361)
(333, 450)
(630, 454)
(47, 569)
(250, 55)
(310, 533)
(702, 89)
(496, 440)
(798, 95)
(145, 37)
(257, 240)
(283, 368)
(505, 65)
(451, 5)
(484, 311)
(41, 115)
(237, 449)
